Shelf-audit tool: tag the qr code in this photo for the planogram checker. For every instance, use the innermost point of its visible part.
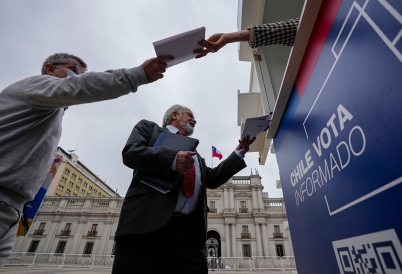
(378, 253)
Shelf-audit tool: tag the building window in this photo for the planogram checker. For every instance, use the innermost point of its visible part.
(67, 171)
(114, 249)
(244, 232)
(40, 230)
(212, 207)
(99, 194)
(85, 184)
(67, 192)
(243, 207)
(95, 191)
(88, 248)
(73, 176)
(79, 180)
(33, 246)
(77, 188)
(90, 188)
(66, 231)
(70, 183)
(60, 187)
(63, 179)
(82, 191)
(60, 247)
(93, 232)
(247, 251)
(74, 194)
(280, 250)
(277, 232)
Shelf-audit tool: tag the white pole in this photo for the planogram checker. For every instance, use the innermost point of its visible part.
(212, 159)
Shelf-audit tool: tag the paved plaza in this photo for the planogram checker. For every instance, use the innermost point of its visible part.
(55, 270)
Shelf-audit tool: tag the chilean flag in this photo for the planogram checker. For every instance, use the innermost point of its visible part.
(216, 153)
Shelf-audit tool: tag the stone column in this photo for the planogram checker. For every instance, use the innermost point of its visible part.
(254, 196)
(260, 202)
(258, 239)
(227, 240)
(234, 243)
(50, 233)
(226, 198)
(232, 206)
(265, 239)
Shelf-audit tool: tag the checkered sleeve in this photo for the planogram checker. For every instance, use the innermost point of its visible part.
(278, 33)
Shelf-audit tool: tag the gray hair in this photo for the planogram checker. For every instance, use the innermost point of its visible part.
(167, 118)
(60, 58)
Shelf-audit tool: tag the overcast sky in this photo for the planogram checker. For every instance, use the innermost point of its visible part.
(119, 34)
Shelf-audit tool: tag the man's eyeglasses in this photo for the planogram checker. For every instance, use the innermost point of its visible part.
(77, 69)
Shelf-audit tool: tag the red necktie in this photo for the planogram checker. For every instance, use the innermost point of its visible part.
(188, 180)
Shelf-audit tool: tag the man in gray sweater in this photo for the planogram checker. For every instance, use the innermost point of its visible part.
(31, 113)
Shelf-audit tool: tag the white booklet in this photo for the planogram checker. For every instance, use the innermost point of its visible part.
(255, 125)
(181, 46)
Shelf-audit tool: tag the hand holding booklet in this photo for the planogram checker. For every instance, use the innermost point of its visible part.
(165, 184)
(180, 46)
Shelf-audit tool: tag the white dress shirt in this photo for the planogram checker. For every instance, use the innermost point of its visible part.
(187, 205)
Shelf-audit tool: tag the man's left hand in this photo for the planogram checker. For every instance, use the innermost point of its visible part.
(244, 144)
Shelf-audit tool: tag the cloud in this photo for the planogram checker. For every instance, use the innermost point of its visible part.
(119, 34)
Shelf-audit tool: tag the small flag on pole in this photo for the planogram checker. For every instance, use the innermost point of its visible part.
(216, 153)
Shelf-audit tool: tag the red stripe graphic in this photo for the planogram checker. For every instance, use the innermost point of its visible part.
(323, 24)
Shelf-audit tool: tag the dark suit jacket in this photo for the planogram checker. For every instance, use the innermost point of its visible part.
(145, 209)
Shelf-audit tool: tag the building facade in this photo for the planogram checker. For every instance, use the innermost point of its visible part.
(73, 178)
(243, 222)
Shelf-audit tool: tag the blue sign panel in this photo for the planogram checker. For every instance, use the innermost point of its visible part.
(339, 144)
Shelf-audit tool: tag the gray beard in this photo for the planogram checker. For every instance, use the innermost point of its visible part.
(188, 128)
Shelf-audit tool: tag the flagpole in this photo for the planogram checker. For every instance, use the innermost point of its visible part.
(212, 159)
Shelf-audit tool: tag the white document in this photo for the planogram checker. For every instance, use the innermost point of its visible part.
(256, 125)
(180, 46)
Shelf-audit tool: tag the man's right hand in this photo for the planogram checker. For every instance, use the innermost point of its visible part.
(184, 161)
(154, 67)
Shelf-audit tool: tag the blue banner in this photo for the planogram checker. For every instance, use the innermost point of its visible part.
(339, 145)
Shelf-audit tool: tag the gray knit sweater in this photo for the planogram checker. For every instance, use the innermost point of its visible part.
(31, 113)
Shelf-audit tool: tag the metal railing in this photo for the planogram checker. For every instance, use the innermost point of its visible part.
(278, 235)
(246, 235)
(243, 210)
(213, 210)
(91, 261)
(38, 232)
(92, 233)
(65, 233)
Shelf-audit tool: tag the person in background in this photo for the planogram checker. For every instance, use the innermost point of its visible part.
(31, 113)
(278, 33)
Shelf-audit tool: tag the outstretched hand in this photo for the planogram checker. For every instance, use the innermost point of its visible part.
(155, 67)
(212, 44)
(244, 144)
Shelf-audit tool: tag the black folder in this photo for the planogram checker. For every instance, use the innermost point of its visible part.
(165, 184)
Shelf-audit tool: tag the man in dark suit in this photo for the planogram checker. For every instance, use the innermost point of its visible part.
(166, 233)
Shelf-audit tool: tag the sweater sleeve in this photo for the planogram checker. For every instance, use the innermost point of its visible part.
(278, 33)
(48, 92)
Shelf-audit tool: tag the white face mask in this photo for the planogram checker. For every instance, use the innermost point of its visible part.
(69, 71)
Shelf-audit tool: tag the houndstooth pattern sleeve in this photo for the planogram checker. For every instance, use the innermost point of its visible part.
(278, 33)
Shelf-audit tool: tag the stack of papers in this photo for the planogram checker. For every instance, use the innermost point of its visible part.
(180, 46)
(256, 125)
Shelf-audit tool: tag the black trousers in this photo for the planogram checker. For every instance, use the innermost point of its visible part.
(171, 249)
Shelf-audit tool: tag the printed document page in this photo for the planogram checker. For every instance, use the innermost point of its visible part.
(181, 46)
(256, 125)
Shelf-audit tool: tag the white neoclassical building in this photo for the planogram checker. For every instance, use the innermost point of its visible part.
(243, 222)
